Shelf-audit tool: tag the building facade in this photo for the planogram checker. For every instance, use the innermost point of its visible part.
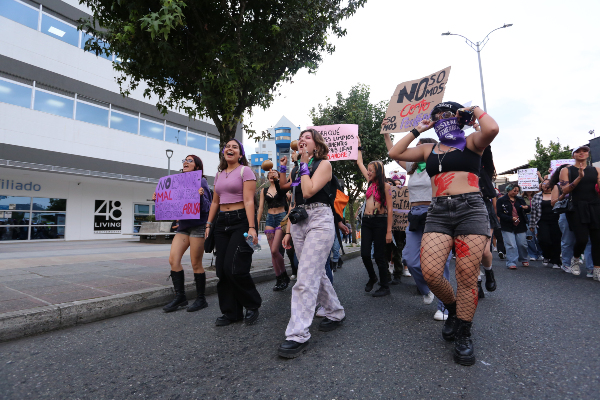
(282, 134)
(78, 161)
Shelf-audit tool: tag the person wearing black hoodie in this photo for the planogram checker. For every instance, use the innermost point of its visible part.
(511, 210)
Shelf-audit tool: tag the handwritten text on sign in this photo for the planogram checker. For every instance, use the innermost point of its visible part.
(342, 140)
(557, 163)
(401, 207)
(177, 196)
(413, 101)
(528, 179)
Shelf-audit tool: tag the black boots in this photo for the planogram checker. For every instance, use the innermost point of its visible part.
(480, 294)
(382, 291)
(283, 281)
(463, 346)
(490, 281)
(180, 299)
(369, 285)
(334, 265)
(451, 324)
(200, 302)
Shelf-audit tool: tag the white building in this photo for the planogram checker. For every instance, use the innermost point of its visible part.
(278, 146)
(78, 161)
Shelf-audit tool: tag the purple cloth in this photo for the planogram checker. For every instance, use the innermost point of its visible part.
(303, 170)
(282, 169)
(450, 134)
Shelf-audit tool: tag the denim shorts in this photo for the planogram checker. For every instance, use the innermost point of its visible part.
(457, 215)
(195, 231)
(274, 220)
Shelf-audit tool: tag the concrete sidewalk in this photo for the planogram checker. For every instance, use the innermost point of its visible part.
(52, 285)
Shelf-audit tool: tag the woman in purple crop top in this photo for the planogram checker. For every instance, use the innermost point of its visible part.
(231, 215)
(190, 233)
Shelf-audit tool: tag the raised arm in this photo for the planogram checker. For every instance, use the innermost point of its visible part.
(389, 145)
(488, 129)
(401, 152)
(361, 165)
(284, 183)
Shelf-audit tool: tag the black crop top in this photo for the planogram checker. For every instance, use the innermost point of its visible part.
(586, 189)
(320, 197)
(276, 201)
(466, 160)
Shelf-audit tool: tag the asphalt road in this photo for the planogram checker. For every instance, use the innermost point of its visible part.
(535, 337)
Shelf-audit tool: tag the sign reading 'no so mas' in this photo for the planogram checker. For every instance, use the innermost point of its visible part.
(413, 101)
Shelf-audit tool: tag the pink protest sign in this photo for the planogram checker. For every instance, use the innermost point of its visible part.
(177, 196)
(342, 140)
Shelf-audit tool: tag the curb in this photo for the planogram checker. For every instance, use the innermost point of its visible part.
(38, 320)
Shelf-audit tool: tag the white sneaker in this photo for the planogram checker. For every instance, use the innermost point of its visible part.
(440, 316)
(545, 262)
(406, 273)
(597, 274)
(566, 268)
(589, 274)
(428, 298)
(494, 248)
(293, 277)
(532, 259)
(555, 266)
(541, 258)
(575, 270)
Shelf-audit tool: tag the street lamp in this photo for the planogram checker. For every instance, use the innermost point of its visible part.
(169, 155)
(478, 47)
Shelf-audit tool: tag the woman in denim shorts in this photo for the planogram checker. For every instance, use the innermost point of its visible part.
(457, 216)
(190, 233)
(276, 202)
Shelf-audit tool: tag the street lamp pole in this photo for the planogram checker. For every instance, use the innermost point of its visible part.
(478, 47)
(169, 155)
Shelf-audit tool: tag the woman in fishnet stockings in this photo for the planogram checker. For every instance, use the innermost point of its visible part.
(457, 216)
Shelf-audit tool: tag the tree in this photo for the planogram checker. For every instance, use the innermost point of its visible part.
(211, 58)
(543, 155)
(356, 108)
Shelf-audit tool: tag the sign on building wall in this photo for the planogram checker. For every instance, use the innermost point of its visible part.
(107, 216)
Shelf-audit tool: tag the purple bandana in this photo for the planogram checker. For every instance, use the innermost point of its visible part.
(303, 170)
(450, 133)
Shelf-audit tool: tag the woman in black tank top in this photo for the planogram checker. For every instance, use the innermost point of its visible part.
(581, 181)
(457, 216)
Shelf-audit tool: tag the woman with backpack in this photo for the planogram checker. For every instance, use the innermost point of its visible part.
(232, 213)
(376, 225)
(311, 226)
(275, 199)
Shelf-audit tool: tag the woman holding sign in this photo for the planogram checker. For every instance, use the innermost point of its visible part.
(190, 233)
(376, 227)
(231, 215)
(457, 216)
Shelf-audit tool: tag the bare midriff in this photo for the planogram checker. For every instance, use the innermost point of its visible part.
(420, 203)
(451, 183)
(373, 205)
(277, 210)
(232, 206)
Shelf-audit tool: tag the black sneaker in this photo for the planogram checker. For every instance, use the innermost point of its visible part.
(291, 349)
(369, 285)
(501, 255)
(382, 291)
(328, 325)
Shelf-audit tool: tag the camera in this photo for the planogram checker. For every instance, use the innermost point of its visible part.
(466, 117)
(298, 214)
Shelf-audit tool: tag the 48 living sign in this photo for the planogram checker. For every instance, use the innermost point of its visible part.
(107, 216)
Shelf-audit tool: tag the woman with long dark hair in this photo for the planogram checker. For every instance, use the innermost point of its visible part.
(311, 226)
(545, 220)
(376, 225)
(232, 213)
(580, 182)
(190, 234)
(275, 199)
(419, 191)
(457, 216)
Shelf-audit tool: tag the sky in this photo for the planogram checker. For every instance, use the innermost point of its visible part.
(541, 75)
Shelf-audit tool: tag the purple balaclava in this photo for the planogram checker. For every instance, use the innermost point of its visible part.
(450, 134)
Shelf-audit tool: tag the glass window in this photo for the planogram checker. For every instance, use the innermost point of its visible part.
(124, 122)
(12, 93)
(15, 203)
(20, 13)
(14, 218)
(212, 145)
(40, 218)
(53, 104)
(141, 213)
(14, 233)
(85, 37)
(47, 232)
(151, 129)
(196, 141)
(94, 115)
(141, 209)
(59, 30)
(175, 135)
(45, 204)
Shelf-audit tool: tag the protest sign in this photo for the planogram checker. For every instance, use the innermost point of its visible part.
(401, 207)
(557, 163)
(342, 140)
(528, 180)
(177, 196)
(413, 101)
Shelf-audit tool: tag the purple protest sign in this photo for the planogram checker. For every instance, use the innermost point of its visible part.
(177, 196)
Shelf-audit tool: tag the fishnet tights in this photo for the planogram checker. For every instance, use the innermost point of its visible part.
(435, 248)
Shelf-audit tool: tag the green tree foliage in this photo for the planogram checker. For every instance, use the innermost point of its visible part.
(545, 154)
(211, 58)
(355, 108)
